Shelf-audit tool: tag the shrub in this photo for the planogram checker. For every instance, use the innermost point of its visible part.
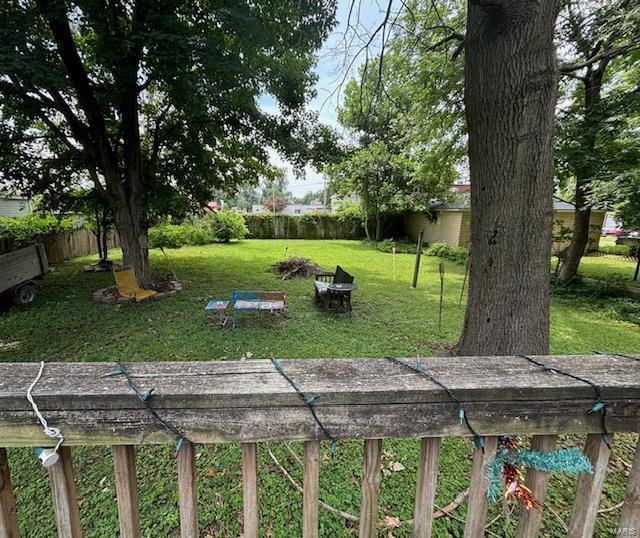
(619, 250)
(447, 252)
(23, 231)
(168, 235)
(199, 230)
(402, 246)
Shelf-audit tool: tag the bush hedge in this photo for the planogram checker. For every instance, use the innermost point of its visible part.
(619, 250)
(309, 226)
(402, 246)
(221, 227)
(447, 252)
(18, 232)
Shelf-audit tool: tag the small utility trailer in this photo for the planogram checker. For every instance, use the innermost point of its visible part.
(18, 271)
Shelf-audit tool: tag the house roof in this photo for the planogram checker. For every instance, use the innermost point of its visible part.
(464, 200)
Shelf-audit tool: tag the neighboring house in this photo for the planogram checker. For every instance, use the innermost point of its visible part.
(460, 188)
(450, 222)
(15, 206)
(292, 209)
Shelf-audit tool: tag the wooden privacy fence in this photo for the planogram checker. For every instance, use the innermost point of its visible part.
(308, 400)
(62, 246)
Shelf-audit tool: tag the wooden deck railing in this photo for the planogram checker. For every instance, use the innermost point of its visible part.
(251, 401)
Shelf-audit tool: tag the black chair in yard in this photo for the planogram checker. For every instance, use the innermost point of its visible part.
(333, 290)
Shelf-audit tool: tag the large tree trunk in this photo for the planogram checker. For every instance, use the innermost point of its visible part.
(579, 240)
(510, 94)
(584, 173)
(132, 231)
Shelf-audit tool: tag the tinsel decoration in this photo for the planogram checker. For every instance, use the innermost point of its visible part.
(506, 469)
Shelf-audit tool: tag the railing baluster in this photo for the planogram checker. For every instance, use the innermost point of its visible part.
(478, 502)
(188, 491)
(537, 482)
(630, 520)
(311, 491)
(8, 517)
(426, 486)
(370, 487)
(124, 466)
(65, 498)
(585, 505)
(250, 490)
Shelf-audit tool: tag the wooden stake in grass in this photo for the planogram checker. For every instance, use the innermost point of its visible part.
(416, 267)
(464, 282)
(393, 262)
(441, 269)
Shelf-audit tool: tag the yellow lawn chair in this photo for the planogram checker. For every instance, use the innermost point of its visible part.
(127, 284)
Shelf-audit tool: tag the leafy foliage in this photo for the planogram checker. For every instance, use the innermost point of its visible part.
(23, 231)
(155, 103)
(274, 203)
(447, 252)
(404, 112)
(219, 227)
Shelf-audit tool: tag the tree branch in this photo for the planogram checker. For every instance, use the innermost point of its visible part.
(608, 55)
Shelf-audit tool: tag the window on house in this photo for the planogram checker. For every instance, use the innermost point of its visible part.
(297, 211)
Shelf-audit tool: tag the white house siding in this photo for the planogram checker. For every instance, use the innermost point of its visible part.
(14, 207)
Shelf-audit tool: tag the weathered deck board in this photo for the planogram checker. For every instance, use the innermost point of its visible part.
(248, 401)
(251, 518)
(370, 488)
(630, 518)
(8, 516)
(426, 486)
(65, 498)
(311, 489)
(585, 504)
(124, 466)
(537, 482)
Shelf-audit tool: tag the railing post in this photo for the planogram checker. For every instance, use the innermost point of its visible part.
(188, 491)
(426, 486)
(250, 490)
(311, 494)
(630, 520)
(370, 487)
(537, 482)
(65, 499)
(8, 517)
(478, 502)
(124, 466)
(585, 505)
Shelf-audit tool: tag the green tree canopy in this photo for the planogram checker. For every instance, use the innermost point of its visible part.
(154, 102)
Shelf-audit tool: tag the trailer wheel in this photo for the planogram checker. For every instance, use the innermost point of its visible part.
(25, 294)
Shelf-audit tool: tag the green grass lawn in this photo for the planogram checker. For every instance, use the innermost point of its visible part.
(609, 269)
(389, 318)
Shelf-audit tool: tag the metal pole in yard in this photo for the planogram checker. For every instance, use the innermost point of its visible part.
(416, 267)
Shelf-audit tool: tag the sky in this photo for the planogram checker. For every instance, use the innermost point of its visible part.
(332, 69)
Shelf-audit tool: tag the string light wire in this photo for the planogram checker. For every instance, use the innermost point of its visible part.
(309, 402)
(599, 406)
(478, 439)
(50, 431)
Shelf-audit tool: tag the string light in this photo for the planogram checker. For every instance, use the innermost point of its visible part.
(309, 402)
(478, 439)
(616, 355)
(144, 397)
(48, 456)
(598, 407)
